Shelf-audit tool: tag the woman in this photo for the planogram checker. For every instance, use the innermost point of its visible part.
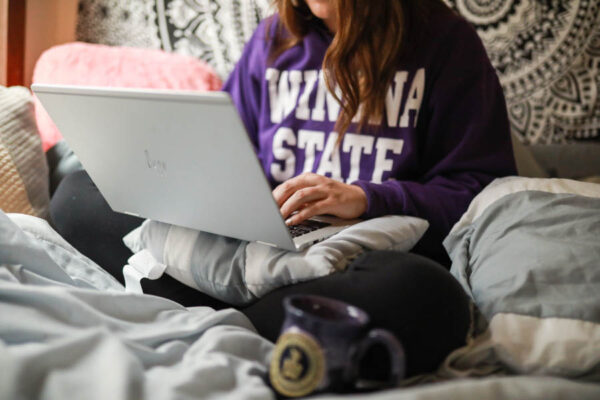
(356, 109)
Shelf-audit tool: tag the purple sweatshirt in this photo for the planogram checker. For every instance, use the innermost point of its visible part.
(445, 134)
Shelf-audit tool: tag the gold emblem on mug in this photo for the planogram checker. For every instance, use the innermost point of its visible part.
(297, 365)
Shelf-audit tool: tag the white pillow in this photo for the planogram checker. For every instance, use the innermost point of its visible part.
(238, 272)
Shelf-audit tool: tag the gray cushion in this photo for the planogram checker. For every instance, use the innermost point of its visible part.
(575, 161)
(527, 165)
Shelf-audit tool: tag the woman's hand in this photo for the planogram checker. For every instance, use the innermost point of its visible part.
(311, 194)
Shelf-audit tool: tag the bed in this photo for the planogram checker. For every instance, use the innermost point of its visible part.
(526, 251)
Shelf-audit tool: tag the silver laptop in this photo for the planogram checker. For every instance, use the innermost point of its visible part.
(182, 158)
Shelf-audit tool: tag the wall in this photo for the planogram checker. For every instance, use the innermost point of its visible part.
(3, 39)
(48, 23)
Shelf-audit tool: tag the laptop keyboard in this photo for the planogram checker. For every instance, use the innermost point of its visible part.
(306, 227)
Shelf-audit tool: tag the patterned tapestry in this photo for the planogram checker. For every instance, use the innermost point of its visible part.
(547, 55)
(212, 30)
(546, 52)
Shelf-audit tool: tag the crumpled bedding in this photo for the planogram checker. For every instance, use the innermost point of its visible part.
(68, 330)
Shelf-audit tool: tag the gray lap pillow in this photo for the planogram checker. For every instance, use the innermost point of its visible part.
(239, 272)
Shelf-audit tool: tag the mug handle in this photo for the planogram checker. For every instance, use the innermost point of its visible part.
(396, 356)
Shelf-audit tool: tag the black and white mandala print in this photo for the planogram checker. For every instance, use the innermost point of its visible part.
(547, 55)
(118, 23)
(212, 30)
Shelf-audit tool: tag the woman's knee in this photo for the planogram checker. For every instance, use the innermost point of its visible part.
(408, 271)
(411, 281)
(424, 304)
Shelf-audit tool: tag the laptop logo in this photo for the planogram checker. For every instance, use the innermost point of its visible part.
(157, 165)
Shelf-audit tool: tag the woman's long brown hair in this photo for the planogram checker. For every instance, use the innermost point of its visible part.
(371, 39)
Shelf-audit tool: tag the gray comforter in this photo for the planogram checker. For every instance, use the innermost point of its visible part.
(69, 331)
(63, 338)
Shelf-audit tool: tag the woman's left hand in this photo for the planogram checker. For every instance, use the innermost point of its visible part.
(311, 194)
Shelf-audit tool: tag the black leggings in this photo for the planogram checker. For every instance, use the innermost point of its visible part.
(412, 296)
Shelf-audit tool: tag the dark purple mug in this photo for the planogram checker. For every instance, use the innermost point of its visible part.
(322, 344)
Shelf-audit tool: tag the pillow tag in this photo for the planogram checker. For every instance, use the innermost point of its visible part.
(141, 265)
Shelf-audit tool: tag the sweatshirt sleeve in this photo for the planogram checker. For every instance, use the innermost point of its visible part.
(243, 84)
(464, 140)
